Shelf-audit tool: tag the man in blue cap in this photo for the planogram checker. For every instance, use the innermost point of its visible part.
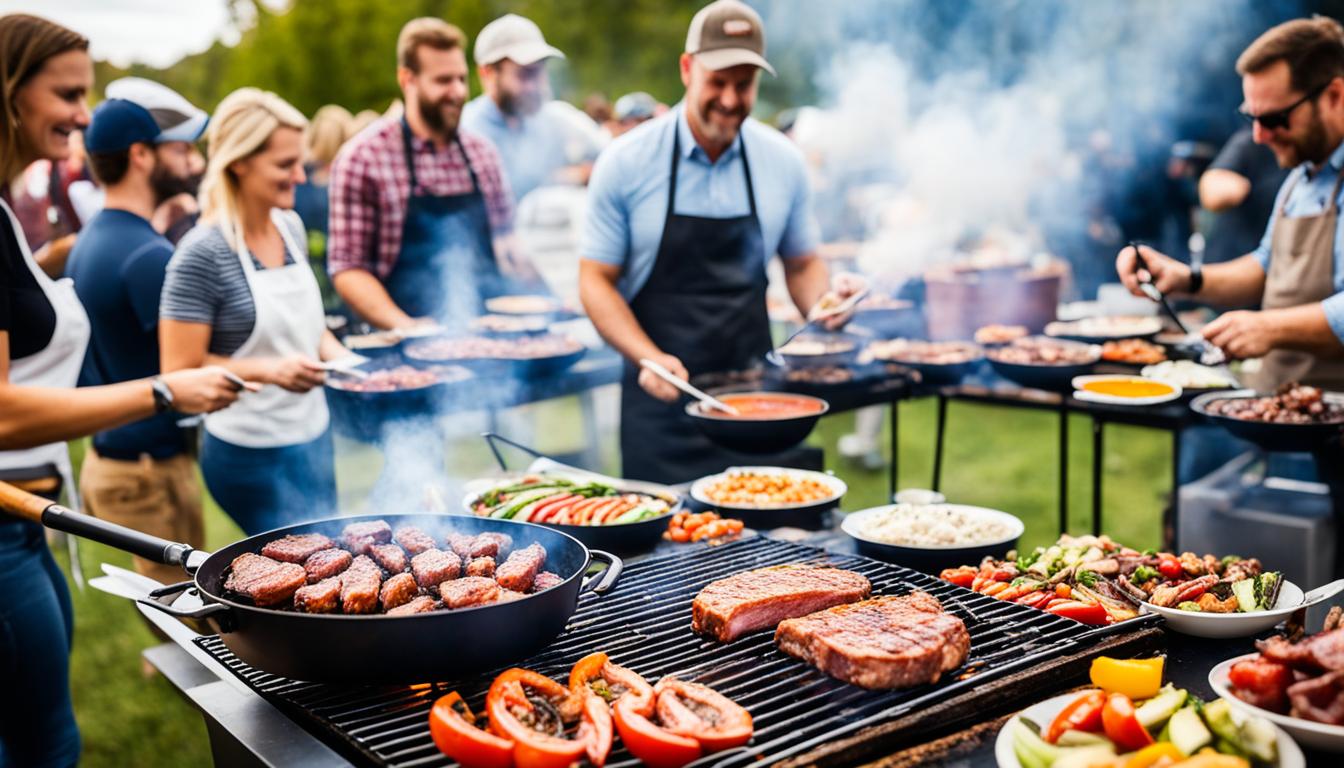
(139, 144)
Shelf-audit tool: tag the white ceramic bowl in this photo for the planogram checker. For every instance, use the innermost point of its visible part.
(1290, 756)
(1097, 397)
(1224, 625)
(1313, 734)
(700, 487)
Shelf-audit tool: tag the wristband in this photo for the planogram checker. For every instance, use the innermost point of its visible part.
(163, 396)
(1196, 277)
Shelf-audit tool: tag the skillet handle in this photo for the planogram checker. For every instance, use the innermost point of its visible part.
(206, 620)
(58, 518)
(602, 584)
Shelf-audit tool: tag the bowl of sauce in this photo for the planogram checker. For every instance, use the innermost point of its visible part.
(766, 422)
(1124, 390)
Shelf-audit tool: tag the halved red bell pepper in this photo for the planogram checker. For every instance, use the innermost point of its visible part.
(655, 746)
(1081, 714)
(453, 728)
(1087, 613)
(507, 704)
(616, 682)
(962, 576)
(595, 730)
(1122, 724)
(689, 709)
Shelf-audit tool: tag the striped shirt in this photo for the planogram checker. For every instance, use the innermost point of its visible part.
(205, 284)
(370, 187)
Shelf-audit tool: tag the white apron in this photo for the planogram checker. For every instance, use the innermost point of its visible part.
(55, 366)
(290, 321)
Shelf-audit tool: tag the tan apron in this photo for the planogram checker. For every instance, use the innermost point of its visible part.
(1301, 271)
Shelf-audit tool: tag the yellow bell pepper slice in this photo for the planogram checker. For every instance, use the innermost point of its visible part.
(1136, 678)
(1153, 754)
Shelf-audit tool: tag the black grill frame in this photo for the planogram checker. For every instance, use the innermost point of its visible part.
(644, 624)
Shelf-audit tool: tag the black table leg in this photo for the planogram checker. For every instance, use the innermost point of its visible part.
(938, 443)
(895, 449)
(1063, 466)
(1098, 459)
(1171, 517)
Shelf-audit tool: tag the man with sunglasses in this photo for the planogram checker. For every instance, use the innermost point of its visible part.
(1293, 85)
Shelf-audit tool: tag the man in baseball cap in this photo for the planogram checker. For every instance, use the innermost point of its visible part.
(684, 213)
(140, 142)
(538, 139)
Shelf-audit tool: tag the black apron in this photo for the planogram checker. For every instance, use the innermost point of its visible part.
(446, 266)
(704, 302)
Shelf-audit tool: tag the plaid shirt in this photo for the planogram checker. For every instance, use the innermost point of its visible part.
(370, 187)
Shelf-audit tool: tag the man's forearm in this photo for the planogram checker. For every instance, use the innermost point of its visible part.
(369, 298)
(1237, 283)
(807, 278)
(613, 318)
(1305, 328)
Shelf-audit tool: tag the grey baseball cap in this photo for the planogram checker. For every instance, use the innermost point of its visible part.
(728, 33)
(515, 38)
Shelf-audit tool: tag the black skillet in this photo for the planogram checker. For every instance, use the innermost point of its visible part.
(334, 648)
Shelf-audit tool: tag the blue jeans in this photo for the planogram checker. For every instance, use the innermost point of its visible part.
(266, 488)
(37, 720)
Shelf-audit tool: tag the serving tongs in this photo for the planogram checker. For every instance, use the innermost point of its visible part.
(1208, 354)
(685, 386)
(849, 303)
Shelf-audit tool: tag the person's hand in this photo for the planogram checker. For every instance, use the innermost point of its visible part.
(1242, 334)
(658, 388)
(1168, 275)
(297, 373)
(201, 390)
(843, 286)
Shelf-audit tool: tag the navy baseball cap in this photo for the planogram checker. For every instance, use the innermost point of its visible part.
(117, 124)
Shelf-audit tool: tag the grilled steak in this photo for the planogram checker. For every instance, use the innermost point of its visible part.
(358, 537)
(296, 548)
(468, 591)
(518, 572)
(421, 604)
(413, 540)
(461, 544)
(482, 566)
(265, 581)
(1320, 652)
(325, 564)
(359, 586)
(745, 602)
(434, 566)
(389, 557)
(397, 590)
(546, 580)
(322, 597)
(490, 545)
(882, 643)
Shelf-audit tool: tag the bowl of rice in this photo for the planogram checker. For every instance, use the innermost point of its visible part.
(931, 537)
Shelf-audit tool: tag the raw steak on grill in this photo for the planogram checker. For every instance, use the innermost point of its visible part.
(745, 602)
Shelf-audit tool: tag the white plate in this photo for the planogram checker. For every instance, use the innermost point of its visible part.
(1117, 327)
(837, 486)
(522, 305)
(1097, 397)
(1224, 625)
(1290, 756)
(1318, 735)
(854, 522)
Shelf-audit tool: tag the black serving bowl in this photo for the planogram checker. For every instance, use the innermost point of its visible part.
(929, 559)
(361, 415)
(756, 435)
(845, 354)
(811, 515)
(1269, 435)
(1053, 378)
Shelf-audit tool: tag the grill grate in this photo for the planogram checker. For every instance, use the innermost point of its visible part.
(644, 624)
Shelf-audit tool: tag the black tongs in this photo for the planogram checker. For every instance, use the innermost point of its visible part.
(1209, 354)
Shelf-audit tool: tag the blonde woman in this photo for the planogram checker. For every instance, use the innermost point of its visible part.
(325, 135)
(239, 294)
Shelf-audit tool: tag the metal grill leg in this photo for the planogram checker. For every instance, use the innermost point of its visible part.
(1063, 465)
(938, 443)
(895, 449)
(1098, 460)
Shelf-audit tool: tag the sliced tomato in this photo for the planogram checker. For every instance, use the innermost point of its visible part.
(453, 728)
(653, 745)
(507, 699)
(1169, 566)
(1121, 724)
(1087, 613)
(1081, 714)
(714, 720)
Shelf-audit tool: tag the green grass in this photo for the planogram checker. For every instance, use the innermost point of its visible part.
(996, 457)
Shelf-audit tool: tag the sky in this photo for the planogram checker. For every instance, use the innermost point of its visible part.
(156, 32)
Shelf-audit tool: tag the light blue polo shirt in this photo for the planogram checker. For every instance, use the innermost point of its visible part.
(533, 148)
(1309, 197)
(627, 194)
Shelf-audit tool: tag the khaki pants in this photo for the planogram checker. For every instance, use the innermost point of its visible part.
(160, 497)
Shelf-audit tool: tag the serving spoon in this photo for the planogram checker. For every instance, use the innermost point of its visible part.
(685, 386)
(777, 359)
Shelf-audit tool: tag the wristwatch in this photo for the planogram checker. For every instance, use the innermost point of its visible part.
(1196, 277)
(163, 396)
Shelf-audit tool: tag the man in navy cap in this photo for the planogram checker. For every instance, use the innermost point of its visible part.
(139, 143)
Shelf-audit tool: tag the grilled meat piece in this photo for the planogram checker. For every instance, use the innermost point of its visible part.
(468, 591)
(519, 571)
(745, 602)
(434, 566)
(421, 604)
(482, 566)
(461, 544)
(359, 586)
(882, 643)
(490, 545)
(326, 563)
(397, 590)
(1168, 596)
(265, 581)
(1318, 653)
(322, 597)
(1320, 698)
(358, 537)
(413, 540)
(296, 548)
(545, 580)
(389, 557)
(1209, 603)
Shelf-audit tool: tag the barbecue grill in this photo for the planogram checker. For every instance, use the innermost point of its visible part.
(644, 623)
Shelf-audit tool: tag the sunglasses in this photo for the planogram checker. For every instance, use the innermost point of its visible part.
(1272, 121)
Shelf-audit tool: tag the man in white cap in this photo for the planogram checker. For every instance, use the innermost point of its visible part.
(679, 230)
(540, 140)
(139, 142)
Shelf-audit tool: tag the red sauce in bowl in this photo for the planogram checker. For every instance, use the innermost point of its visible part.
(767, 406)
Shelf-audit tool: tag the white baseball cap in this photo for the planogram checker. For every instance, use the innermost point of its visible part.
(177, 118)
(515, 38)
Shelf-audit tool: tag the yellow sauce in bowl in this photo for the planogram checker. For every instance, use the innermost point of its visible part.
(1128, 388)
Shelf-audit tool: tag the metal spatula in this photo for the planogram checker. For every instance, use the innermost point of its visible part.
(1208, 354)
